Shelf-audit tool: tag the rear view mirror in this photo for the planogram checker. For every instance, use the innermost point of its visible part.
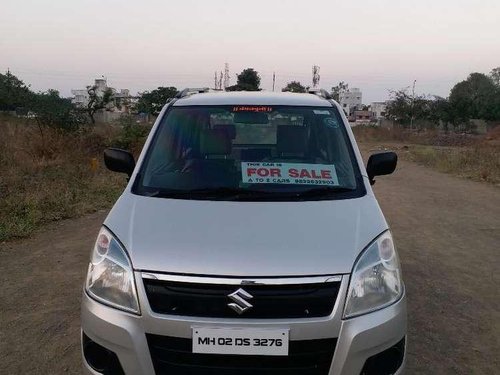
(118, 160)
(381, 164)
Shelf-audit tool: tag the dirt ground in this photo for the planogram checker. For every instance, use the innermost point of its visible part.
(447, 231)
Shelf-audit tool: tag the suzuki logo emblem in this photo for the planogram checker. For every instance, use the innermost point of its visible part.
(240, 298)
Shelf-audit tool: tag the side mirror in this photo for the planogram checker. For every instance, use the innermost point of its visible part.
(118, 160)
(381, 164)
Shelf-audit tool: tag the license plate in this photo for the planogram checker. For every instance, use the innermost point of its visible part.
(240, 341)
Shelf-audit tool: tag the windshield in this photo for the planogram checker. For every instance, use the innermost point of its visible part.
(250, 153)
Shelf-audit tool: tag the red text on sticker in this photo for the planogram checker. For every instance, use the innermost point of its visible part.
(292, 172)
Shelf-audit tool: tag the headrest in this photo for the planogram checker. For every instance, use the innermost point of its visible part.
(291, 139)
(215, 142)
(230, 129)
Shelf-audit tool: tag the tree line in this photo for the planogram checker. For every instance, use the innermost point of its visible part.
(50, 109)
(477, 97)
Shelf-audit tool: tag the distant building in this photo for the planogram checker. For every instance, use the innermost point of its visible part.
(351, 100)
(80, 98)
(378, 109)
(363, 117)
(120, 103)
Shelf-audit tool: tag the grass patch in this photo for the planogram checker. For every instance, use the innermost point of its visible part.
(423, 137)
(465, 155)
(48, 175)
(479, 162)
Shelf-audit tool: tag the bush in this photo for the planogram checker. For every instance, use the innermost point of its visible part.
(132, 135)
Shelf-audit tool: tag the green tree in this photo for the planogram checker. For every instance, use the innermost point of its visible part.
(248, 80)
(406, 109)
(441, 111)
(13, 92)
(341, 88)
(475, 98)
(97, 100)
(53, 111)
(152, 102)
(495, 76)
(294, 86)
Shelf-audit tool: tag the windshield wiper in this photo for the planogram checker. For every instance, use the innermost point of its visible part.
(322, 192)
(240, 194)
(222, 193)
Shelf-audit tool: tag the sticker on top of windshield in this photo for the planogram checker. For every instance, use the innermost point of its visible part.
(321, 112)
(251, 108)
(289, 174)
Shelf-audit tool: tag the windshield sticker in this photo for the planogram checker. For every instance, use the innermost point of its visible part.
(330, 122)
(246, 108)
(289, 174)
(321, 112)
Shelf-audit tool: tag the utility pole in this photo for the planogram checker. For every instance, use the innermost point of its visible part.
(8, 81)
(274, 80)
(412, 104)
(316, 76)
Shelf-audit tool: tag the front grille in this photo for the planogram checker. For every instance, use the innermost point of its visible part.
(173, 356)
(268, 302)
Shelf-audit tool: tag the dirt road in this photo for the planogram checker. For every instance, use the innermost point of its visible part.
(447, 231)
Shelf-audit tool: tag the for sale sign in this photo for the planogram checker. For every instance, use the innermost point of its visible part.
(289, 173)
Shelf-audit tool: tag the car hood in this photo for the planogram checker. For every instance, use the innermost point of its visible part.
(245, 238)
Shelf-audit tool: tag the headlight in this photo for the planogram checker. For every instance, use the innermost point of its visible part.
(110, 278)
(376, 278)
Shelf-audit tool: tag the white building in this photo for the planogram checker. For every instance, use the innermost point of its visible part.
(120, 100)
(80, 98)
(379, 109)
(351, 100)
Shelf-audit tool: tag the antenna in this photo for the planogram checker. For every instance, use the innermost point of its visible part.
(215, 80)
(274, 80)
(316, 76)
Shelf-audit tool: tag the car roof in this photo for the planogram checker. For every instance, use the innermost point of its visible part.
(253, 98)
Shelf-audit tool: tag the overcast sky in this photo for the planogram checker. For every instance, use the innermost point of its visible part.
(372, 44)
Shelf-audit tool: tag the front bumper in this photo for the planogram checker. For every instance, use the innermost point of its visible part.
(357, 339)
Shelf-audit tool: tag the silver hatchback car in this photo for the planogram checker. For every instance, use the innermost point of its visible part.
(247, 241)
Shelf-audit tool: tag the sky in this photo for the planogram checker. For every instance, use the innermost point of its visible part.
(376, 45)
